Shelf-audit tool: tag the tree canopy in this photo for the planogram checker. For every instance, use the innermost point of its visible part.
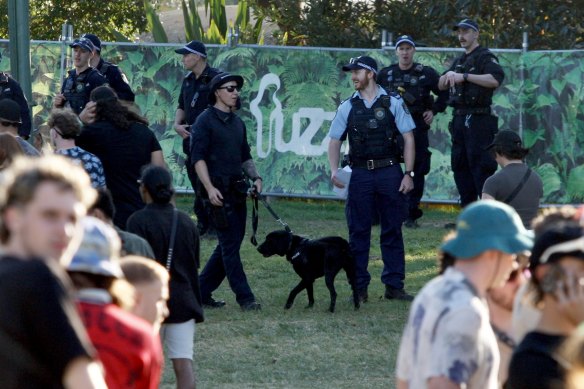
(102, 18)
(357, 23)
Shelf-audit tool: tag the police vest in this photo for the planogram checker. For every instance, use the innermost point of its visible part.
(372, 132)
(469, 94)
(417, 99)
(75, 92)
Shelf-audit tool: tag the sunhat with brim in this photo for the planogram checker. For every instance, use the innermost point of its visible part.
(221, 79)
(488, 225)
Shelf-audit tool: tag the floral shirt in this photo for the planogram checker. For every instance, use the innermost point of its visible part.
(89, 162)
(448, 334)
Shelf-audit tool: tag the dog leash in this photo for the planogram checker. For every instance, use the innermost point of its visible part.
(255, 216)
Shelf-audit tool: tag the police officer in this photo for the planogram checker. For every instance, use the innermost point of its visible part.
(371, 119)
(193, 100)
(80, 81)
(115, 77)
(220, 153)
(10, 89)
(415, 83)
(471, 80)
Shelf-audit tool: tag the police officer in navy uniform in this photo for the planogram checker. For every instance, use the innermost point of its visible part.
(193, 100)
(471, 80)
(115, 77)
(371, 120)
(415, 83)
(10, 89)
(80, 81)
(221, 155)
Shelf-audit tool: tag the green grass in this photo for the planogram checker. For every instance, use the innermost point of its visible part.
(308, 348)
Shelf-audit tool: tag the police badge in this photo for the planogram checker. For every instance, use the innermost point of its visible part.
(379, 113)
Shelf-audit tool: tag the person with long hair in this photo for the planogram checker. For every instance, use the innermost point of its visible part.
(123, 142)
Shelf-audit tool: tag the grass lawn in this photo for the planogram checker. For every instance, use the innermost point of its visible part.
(308, 348)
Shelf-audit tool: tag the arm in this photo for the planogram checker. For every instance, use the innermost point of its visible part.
(486, 196)
(157, 158)
(83, 373)
(441, 383)
(334, 155)
(215, 197)
(451, 78)
(407, 183)
(251, 171)
(401, 384)
(179, 124)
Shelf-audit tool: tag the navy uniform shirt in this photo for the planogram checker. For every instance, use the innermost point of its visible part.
(116, 80)
(194, 93)
(426, 79)
(78, 94)
(220, 139)
(10, 89)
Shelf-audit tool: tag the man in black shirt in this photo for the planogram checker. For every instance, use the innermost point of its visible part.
(472, 79)
(415, 83)
(220, 152)
(10, 89)
(42, 340)
(193, 100)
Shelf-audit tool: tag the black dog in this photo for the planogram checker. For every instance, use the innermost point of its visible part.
(312, 259)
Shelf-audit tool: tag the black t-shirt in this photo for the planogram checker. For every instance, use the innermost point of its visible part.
(116, 80)
(194, 93)
(10, 89)
(40, 330)
(123, 153)
(533, 365)
(154, 223)
(220, 139)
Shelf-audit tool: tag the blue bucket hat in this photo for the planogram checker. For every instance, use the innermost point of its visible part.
(488, 225)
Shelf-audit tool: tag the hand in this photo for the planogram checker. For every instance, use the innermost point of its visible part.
(182, 130)
(87, 116)
(215, 197)
(407, 184)
(336, 182)
(453, 78)
(428, 117)
(570, 295)
(257, 184)
(59, 101)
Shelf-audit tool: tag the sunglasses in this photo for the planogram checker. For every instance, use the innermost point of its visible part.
(231, 88)
(9, 124)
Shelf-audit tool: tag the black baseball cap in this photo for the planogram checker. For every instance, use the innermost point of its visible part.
(94, 39)
(466, 23)
(405, 39)
(194, 47)
(507, 139)
(363, 62)
(10, 111)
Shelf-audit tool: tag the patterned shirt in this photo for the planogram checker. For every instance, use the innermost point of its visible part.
(90, 163)
(448, 334)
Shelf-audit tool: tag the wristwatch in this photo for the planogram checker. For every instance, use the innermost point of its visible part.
(409, 173)
(465, 76)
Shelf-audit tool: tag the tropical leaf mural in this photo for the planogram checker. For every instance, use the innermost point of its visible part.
(291, 94)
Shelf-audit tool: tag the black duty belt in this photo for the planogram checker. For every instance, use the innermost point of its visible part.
(371, 164)
(473, 111)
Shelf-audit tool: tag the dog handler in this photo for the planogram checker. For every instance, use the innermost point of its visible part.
(371, 120)
(219, 151)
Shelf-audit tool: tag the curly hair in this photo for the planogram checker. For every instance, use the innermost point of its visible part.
(109, 108)
(9, 150)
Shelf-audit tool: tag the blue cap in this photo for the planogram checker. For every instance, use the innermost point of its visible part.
(94, 39)
(405, 39)
(84, 43)
(488, 225)
(363, 62)
(466, 23)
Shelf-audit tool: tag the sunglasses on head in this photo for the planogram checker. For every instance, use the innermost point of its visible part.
(231, 88)
(576, 245)
(8, 124)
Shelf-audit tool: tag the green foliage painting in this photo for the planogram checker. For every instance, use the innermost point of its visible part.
(291, 94)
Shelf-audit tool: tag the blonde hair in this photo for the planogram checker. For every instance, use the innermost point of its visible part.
(140, 270)
(19, 182)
